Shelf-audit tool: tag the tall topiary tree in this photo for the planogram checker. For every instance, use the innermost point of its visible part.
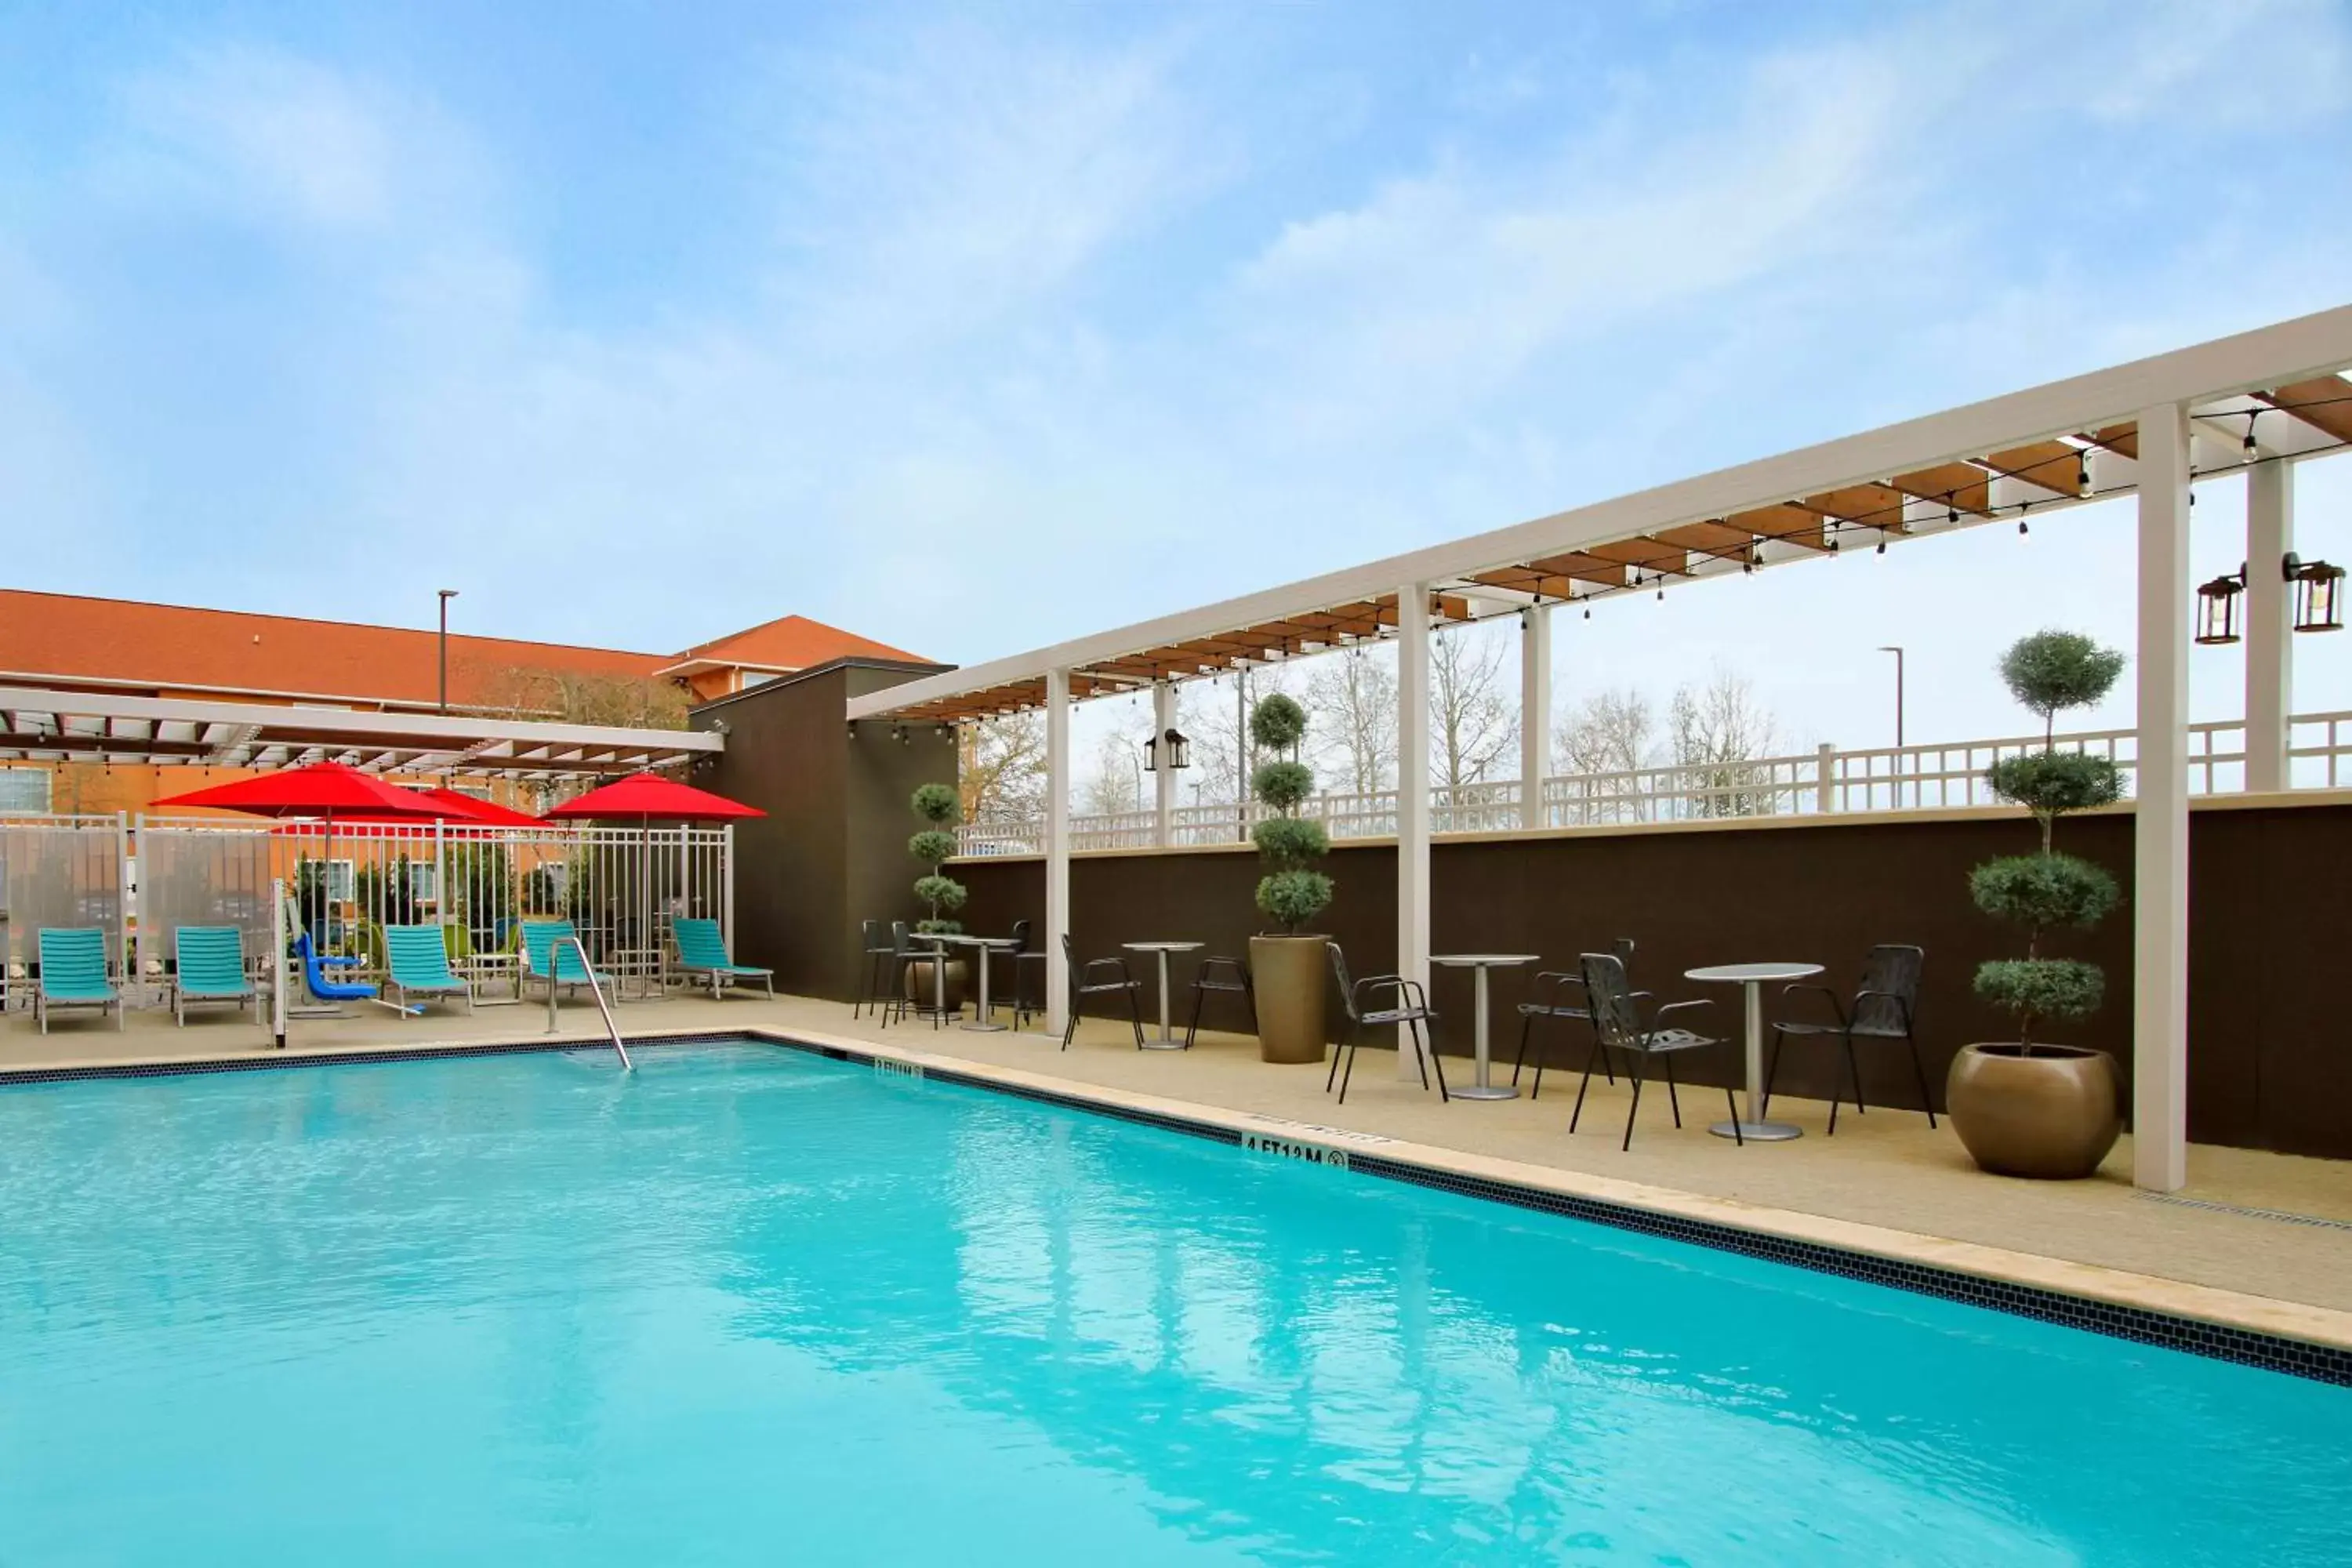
(2049, 672)
(1292, 893)
(937, 804)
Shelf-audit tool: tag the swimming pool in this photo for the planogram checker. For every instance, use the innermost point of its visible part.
(753, 1305)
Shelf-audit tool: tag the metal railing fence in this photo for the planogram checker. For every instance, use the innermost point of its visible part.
(1927, 776)
(141, 877)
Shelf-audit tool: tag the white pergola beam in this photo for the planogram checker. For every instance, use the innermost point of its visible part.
(1163, 783)
(2270, 646)
(1534, 710)
(453, 732)
(1058, 1000)
(2301, 349)
(1412, 808)
(2160, 824)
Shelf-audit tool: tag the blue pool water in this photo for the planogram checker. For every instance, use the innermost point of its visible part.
(753, 1306)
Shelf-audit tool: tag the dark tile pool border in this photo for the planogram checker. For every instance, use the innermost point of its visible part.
(2218, 1342)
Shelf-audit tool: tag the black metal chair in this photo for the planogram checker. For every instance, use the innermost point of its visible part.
(1082, 985)
(1411, 1008)
(878, 952)
(1618, 1025)
(1565, 1001)
(907, 948)
(1883, 1009)
(1216, 974)
(1024, 1001)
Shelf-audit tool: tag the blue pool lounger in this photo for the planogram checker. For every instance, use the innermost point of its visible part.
(73, 973)
(702, 950)
(209, 964)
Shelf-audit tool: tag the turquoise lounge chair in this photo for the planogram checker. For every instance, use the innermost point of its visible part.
(551, 965)
(419, 960)
(702, 950)
(73, 973)
(210, 964)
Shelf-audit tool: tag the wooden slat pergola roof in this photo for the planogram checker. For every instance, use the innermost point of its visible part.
(2274, 394)
(54, 725)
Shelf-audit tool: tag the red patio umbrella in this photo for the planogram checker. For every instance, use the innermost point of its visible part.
(458, 810)
(321, 789)
(646, 798)
(326, 790)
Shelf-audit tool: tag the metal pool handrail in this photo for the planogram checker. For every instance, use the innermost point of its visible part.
(611, 1029)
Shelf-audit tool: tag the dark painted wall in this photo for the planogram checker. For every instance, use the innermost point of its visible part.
(833, 849)
(2270, 1063)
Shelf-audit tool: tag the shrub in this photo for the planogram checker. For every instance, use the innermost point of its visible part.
(937, 805)
(1292, 893)
(2049, 672)
(1293, 897)
(2042, 987)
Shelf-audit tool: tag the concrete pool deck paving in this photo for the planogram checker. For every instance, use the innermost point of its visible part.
(1885, 1186)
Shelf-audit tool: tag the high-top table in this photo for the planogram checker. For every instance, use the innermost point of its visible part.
(984, 1015)
(1167, 1040)
(1478, 964)
(1753, 977)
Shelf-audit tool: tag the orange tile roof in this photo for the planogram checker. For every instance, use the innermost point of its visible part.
(791, 642)
(170, 647)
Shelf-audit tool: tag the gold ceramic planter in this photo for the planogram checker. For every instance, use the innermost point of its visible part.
(919, 983)
(1288, 974)
(2053, 1115)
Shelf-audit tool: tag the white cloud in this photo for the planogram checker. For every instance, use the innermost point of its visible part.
(960, 176)
(281, 137)
(1445, 284)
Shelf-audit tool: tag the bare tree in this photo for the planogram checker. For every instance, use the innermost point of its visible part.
(1001, 763)
(568, 696)
(1475, 722)
(1610, 732)
(1353, 697)
(1718, 730)
(1115, 784)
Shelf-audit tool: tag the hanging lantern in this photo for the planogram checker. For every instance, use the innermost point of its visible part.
(2318, 594)
(2217, 609)
(1173, 745)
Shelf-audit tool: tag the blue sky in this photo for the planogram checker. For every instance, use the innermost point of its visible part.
(977, 326)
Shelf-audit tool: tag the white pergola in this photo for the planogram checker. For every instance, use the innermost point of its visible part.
(2255, 402)
(43, 724)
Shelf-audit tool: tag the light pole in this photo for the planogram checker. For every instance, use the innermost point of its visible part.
(1898, 652)
(446, 595)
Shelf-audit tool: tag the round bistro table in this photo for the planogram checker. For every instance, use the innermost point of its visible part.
(1753, 977)
(1167, 1040)
(1478, 964)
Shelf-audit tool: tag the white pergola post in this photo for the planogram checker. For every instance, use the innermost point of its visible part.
(1057, 847)
(1534, 710)
(2270, 646)
(1163, 785)
(2160, 894)
(1412, 804)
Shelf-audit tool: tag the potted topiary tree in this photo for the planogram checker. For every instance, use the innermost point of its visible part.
(1287, 970)
(941, 894)
(2028, 1108)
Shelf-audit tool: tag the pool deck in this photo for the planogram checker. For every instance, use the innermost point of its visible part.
(1885, 1185)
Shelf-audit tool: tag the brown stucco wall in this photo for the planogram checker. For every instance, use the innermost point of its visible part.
(832, 850)
(2270, 1063)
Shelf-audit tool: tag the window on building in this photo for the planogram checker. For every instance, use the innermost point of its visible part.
(24, 791)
